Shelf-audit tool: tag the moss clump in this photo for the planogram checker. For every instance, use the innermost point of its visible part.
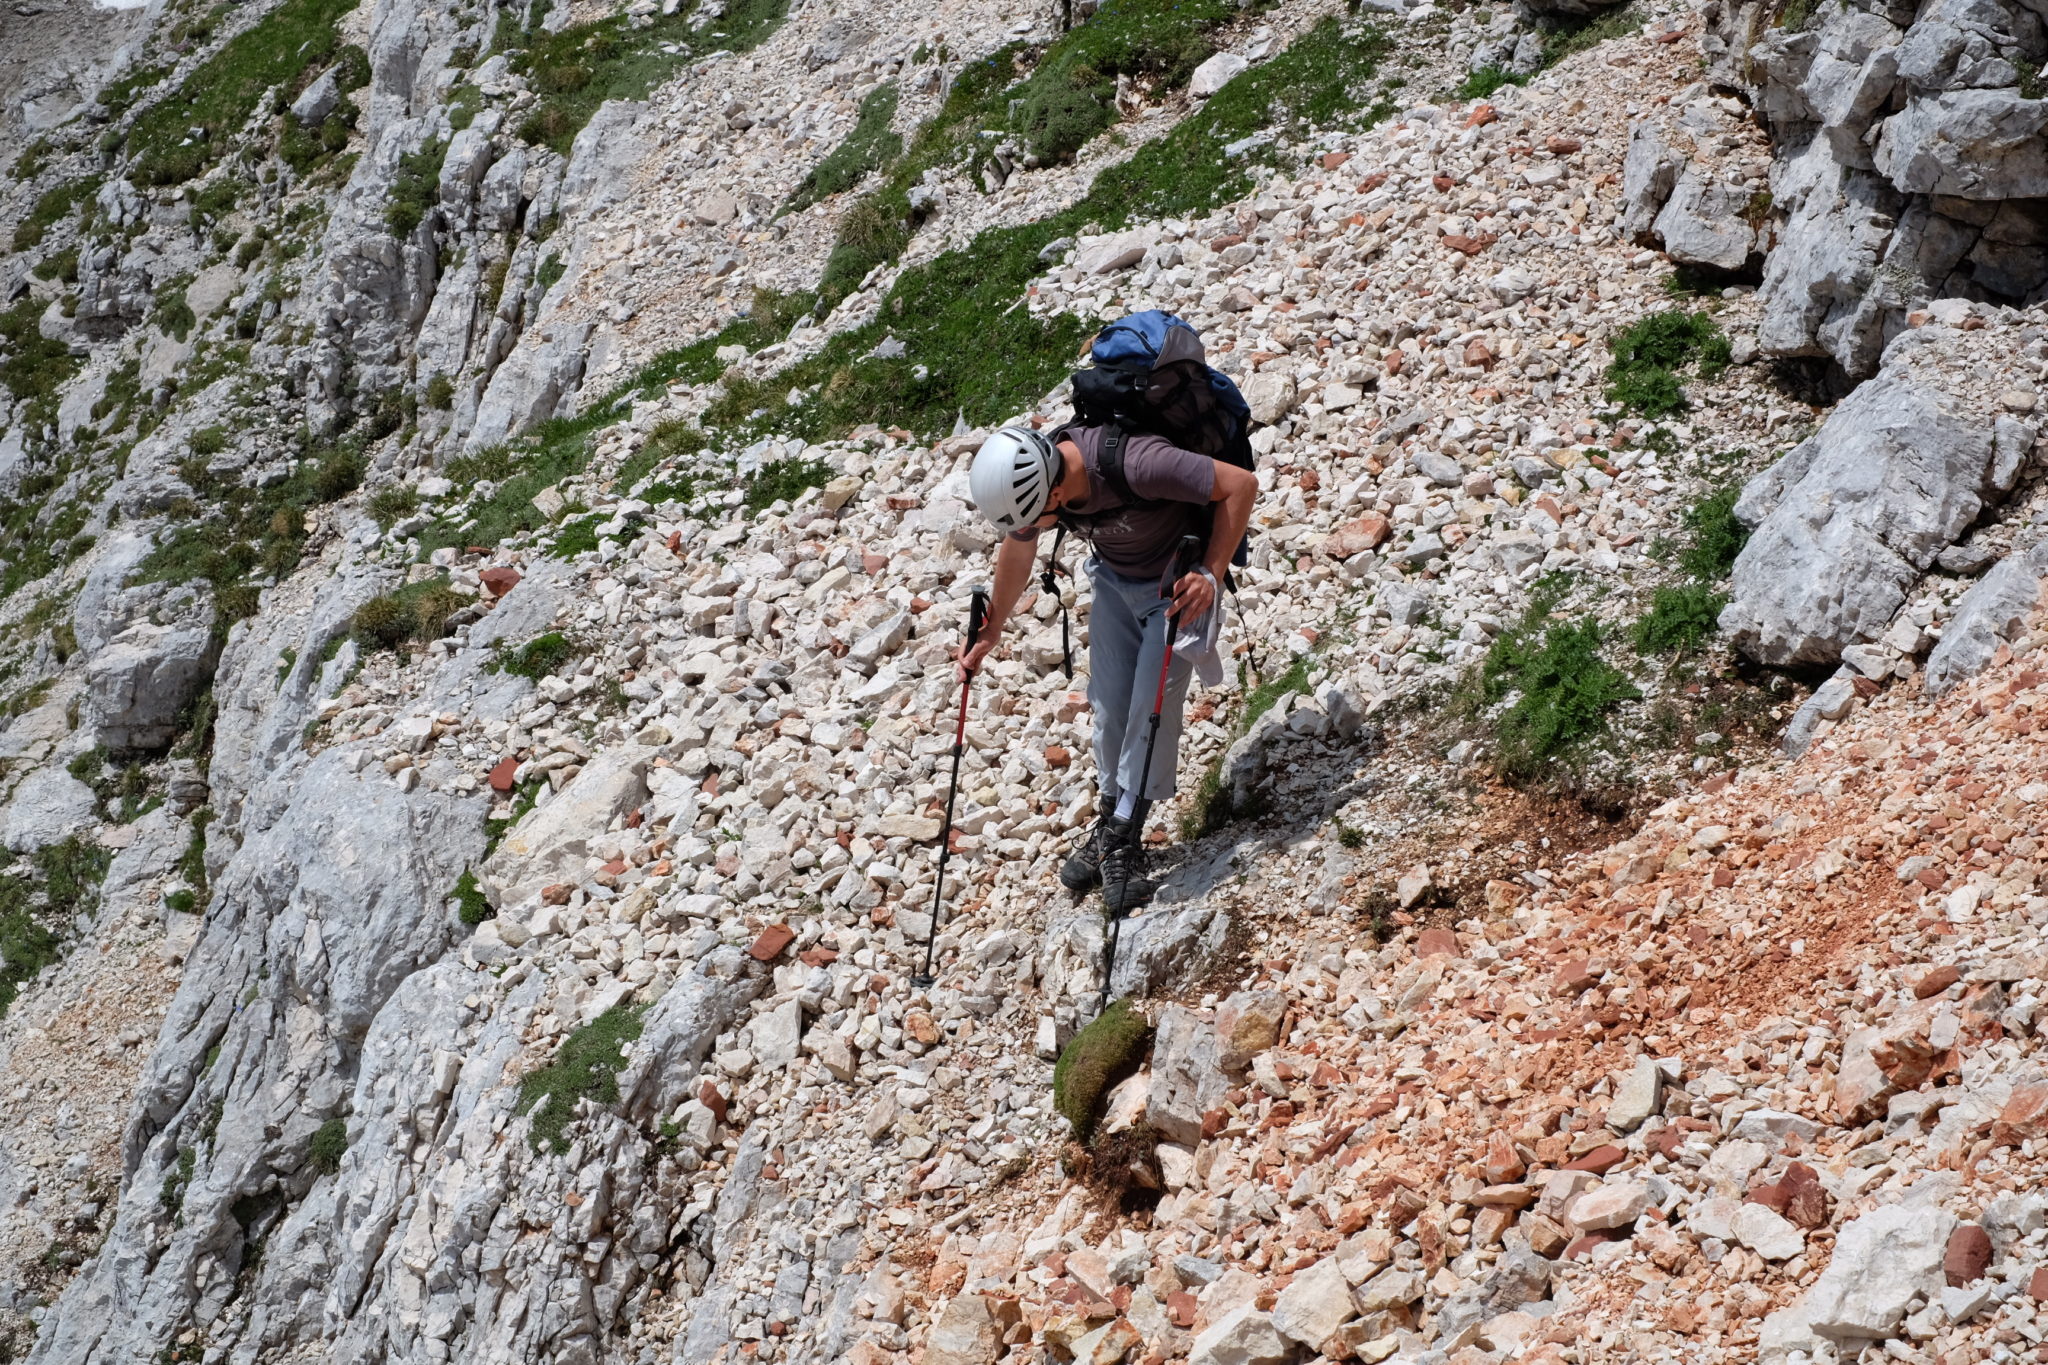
(470, 902)
(587, 1068)
(1648, 355)
(870, 145)
(1562, 689)
(330, 1141)
(1101, 1054)
(537, 658)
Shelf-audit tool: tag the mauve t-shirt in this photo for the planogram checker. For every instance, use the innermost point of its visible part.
(1138, 541)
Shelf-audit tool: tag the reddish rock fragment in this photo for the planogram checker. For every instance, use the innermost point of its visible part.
(2037, 1284)
(1578, 976)
(1600, 1160)
(1467, 245)
(713, 1099)
(502, 773)
(1180, 1306)
(497, 582)
(2025, 1114)
(1431, 942)
(558, 894)
(770, 942)
(1969, 1253)
(1561, 146)
(1056, 756)
(1936, 981)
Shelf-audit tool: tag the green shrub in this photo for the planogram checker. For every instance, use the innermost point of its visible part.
(587, 1067)
(183, 900)
(1679, 618)
(1563, 690)
(552, 268)
(1568, 36)
(330, 1142)
(1102, 1054)
(867, 148)
(72, 871)
(440, 394)
(1716, 537)
(671, 440)
(1479, 84)
(414, 191)
(172, 1195)
(1643, 377)
(209, 441)
(26, 944)
(471, 904)
(62, 265)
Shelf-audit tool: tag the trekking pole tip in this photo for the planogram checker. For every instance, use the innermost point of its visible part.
(921, 982)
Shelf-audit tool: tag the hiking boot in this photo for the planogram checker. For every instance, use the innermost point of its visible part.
(1124, 884)
(1082, 871)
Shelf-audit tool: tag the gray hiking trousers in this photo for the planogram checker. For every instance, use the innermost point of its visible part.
(1126, 640)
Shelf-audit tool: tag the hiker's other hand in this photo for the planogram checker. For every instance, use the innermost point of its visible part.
(1192, 595)
(973, 659)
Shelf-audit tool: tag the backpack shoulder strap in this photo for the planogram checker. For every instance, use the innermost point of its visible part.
(1110, 464)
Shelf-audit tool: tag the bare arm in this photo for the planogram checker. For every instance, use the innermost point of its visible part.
(1234, 493)
(1014, 559)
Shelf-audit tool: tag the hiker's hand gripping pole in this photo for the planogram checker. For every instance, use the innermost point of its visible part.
(1188, 552)
(977, 614)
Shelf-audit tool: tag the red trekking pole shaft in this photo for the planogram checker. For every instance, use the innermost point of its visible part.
(977, 612)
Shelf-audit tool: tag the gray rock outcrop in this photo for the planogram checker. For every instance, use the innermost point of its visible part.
(1987, 617)
(48, 806)
(1849, 519)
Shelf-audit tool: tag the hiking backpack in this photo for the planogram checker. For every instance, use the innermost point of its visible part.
(1150, 377)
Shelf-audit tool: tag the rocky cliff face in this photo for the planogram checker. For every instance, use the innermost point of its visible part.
(486, 527)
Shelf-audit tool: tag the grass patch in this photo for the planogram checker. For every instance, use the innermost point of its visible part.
(523, 802)
(280, 50)
(767, 320)
(1102, 1054)
(537, 658)
(517, 470)
(52, 208)
(1480, 84)
(34, 367)
(866, 148)
(784, 481)
(389, 506)
(470, 902)
(674, 439)
(968, 351)
(1562, 689)
(246, 533)
(36, 910)
(415, 612)
(1070, 96)
(1643, 377)
(586, 1068)
(579, 68)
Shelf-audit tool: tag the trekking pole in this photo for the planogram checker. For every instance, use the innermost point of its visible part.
(977, 612)
(1190, 546)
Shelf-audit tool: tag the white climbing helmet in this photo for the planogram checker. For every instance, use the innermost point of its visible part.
(1013, 475)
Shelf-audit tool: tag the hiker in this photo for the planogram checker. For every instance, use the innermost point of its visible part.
(1026, 481)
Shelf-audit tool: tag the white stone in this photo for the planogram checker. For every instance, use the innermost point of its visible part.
(1315, 1304)
(1215, 73)
(1767, 1233)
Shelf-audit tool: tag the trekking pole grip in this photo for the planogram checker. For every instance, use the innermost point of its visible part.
(977, 616)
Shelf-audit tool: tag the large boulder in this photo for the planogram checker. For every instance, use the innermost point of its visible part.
(1848, 520)
(1705, 222)
(1884, 1262)
(554, 841)
(49, 806)
(1972, 144)
(138, 688)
